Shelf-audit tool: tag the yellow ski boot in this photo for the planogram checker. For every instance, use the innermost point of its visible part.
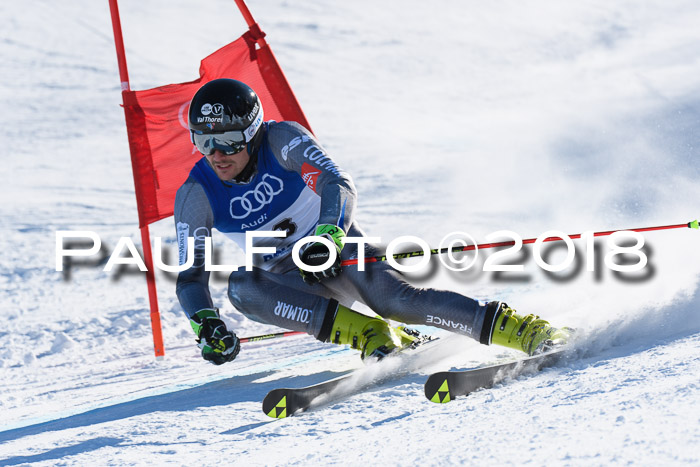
(370, 334)
(529, 334)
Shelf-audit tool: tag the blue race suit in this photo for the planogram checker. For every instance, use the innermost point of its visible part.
(295, 187)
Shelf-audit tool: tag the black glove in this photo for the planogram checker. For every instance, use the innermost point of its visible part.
(317, 254)
(218, 344)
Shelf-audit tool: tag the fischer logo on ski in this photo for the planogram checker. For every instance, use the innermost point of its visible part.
(280, 410)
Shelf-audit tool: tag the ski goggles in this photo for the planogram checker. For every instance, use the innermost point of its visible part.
(228, 142)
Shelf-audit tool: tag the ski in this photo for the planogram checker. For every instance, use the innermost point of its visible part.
(284, 402)
(444, 386)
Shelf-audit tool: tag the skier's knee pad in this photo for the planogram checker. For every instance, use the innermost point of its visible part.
(246, 295)
(241, 290)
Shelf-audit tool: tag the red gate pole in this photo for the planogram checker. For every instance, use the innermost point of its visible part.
(271, 71)
(156, 329)
(247, 16)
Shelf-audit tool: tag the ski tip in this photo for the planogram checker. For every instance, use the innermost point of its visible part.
(275, 406)
(437, 389)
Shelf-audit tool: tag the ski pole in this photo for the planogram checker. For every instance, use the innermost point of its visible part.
(412, 254)
(270, 336)
(253, 338)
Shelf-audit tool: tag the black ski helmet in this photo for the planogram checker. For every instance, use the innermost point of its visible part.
(226, 114)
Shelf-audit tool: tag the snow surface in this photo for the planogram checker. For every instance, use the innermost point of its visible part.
(527, 116)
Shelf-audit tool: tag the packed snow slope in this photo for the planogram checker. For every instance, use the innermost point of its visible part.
(456, 116)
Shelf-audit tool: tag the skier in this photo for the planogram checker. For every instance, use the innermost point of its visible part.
(267, 175)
